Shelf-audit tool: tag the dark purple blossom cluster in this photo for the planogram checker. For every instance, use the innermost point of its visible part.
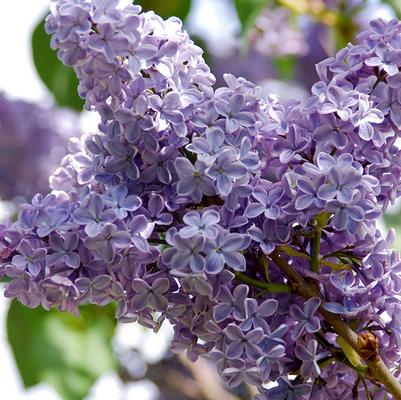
(180, 204)
(32, 142)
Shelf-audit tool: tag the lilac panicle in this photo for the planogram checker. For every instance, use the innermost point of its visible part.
(180, 201)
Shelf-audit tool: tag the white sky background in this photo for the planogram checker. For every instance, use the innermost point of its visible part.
(18, 77)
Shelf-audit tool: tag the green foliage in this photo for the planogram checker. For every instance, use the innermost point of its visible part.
(67, 352)
(394, 221)
(166, 8)
(352, 356)
(248, 11)
(285, 67)
(59, 79)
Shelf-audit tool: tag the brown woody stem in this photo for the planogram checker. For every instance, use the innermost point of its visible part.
(365, 344)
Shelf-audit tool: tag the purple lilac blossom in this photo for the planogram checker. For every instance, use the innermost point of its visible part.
(182, 196)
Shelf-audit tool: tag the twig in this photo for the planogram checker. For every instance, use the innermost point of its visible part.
(268, 286)
(207, 380)
(365, 344)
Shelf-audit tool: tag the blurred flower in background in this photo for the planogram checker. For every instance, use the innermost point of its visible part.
(33, 140)
(275, 34)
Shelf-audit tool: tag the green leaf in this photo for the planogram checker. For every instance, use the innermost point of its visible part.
(351, 354)
(285, 67)
(394, 221)
(58, 78)
(248, 11)
(67, 352)
(166, 8)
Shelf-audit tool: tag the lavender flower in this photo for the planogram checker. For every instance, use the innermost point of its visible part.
(257, 313)
(232, 111)
(193, 180)
(150, 295)
(225, 250)
(225, 171)
(341, 102)
(52, 220)
(306, 318)
(269, 361)
(121, 203)
(365, 117)
(204, 225)
(241, 342)
(64, 250)
(29, 258)
(186, 252)
(308, 193)
(287, 390)
(239, 372)
(388, 60)
(348, 309)
(267, 203)
(94, 217)
(231, 304)
(307, 353)
(107, 241)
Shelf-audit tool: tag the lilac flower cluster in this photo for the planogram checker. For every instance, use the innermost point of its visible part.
(276, 34)
(177, 207)
(32, 143)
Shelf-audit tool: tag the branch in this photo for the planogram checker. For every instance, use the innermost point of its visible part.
(365, 344)
(270, 287)
(207, 380)
(314, 263)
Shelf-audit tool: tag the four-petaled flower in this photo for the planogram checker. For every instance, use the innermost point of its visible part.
(231, 110)
(388, 60)
(93, 216)
(193, 180)
(308, 355)
(64, 250)
(306, 318)
(267, 203)
(225, 249)
(205, 224)
(257, 313)
(241, 342)
(185, 252)
(287, 390)
(121, 203)
(150, 295)
(225, 170)
(29, 258)
(231, 304)
(365, 116)
(107, 241)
